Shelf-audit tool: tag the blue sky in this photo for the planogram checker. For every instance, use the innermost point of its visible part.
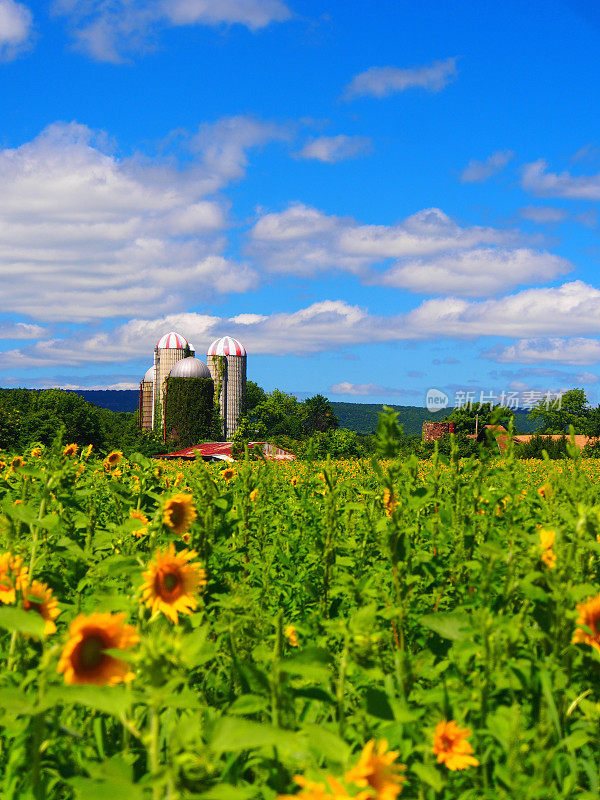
(375, 198)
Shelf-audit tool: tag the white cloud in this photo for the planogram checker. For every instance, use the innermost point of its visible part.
(221, 147)
(302, 240)
(577, 350)
(85, 235)
(537, 180)
(544, 215)
(370, 390)
(383, 81)
(480, 171)
(20, 330)
(110, 31)
(16, 23)
(475, 273)
(331, 149)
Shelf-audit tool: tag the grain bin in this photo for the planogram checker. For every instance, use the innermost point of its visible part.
(226, 359)
(170, 349)
(146, 396)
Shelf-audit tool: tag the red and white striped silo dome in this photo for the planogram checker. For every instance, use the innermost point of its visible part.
(172, 341)
(226, 346)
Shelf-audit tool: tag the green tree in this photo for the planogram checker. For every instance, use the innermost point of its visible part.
(280, 414)
(319, 415)
(556, 415)
(254, 395)
(466, 417)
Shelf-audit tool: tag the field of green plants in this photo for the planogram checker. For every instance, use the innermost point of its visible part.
(370, 629)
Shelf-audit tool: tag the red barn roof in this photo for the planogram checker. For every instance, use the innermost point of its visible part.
(222, 451)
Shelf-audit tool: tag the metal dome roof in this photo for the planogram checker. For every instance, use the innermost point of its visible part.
(226, 346)
(172, 341)
(190, 368)
(149, 376)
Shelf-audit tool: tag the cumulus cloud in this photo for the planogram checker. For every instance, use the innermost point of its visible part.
(475, 273)
(384, 81)
(16, 24)
(112, 31)
(20, 330)
(480, 171)
(572, 309)
(303, 240)
(85, 235)
(370, 390)
(221, 147)
(544, 215)
(578, 350)
(538, 180)
(331, 149)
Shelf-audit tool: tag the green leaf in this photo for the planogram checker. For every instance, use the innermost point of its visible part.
(378, 704)
(20, 621)
(326, 743)
(312, 662)
(231, 734)
(429, 775)
(248, 704)
(225, 791)
(114, 700)
(453, 625)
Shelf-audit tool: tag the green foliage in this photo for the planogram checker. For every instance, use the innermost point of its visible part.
(417, 592)
(189, 411)
(542, 447)
(254, 395)
(319, 415)
(556, 416)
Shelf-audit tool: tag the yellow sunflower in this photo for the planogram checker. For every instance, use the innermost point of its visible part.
(171, 583)
(70, 450)
(13, 576)
(228, 473)
(589, 615)
(291, 635)
(179, 512)
(84, 658)
(376, 769)
(142, 530)
(38, 597)
(112, 459)
(36, 452)
(17, 461)
(253, 495)
(547, 538)
(451, 746)
(389, 502)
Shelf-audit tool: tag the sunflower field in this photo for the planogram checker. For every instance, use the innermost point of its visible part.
(374, 629)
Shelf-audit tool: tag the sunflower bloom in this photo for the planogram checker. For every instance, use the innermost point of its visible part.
(545, 491)
(171, 583)
(451, 746)
(38, 597)
(291, 635)
(70, 450)
(589, 615)
(294, 480)
(253, 495)
(179, 512)
(143, 519)
(13, 577)
(112, 459)
(36, 452)
(547, 538)
(376, 769)
(84, 658)
(228, 473)
(17, 461)
(314, 790)
(389, 502)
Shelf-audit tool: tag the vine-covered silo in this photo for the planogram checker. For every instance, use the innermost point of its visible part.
(226, 359)
(170, 349)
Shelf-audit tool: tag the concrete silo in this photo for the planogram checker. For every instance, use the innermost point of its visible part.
(169, 349)
(146, 398)
(226, 359)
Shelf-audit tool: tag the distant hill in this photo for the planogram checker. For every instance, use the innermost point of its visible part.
(359, 417)
(112, 399)
(362, 417)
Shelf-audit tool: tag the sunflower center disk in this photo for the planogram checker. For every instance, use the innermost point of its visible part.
(171, 583)
(91, 652)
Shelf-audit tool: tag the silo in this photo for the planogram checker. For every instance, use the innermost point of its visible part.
(146, 394)
(169, 349)
(226, 359)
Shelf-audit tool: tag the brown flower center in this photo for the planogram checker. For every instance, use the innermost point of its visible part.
(168, 585)
(177, 514)
(89, 654)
